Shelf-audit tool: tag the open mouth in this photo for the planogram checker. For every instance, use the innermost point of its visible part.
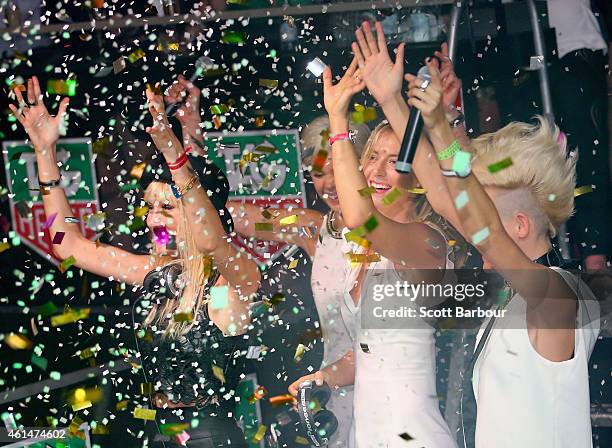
(330, 195)
(381, 188)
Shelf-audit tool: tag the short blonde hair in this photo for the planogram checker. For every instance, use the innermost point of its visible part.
(313, 137)
(539, 163)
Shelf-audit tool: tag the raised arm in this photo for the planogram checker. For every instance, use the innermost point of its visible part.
(43, 131)
(236, 267)
(551, 302)
(384, 79)
(389, 238)
(286, 222)
(187, 97)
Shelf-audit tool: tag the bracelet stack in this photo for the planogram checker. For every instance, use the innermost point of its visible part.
(181, 161)
(45, 187)
(462, 166)
(182, 191)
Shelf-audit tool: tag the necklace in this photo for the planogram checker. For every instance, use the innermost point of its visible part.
(335, 233)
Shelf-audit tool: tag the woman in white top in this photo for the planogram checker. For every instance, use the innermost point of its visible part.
(322, 241)
(530, 379)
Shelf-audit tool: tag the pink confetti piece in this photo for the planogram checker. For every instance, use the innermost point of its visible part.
(49, 221)
(58, 237)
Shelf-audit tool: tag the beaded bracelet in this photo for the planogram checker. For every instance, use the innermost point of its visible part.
(449, 152)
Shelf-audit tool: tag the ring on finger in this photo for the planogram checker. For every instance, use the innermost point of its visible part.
(424, 85)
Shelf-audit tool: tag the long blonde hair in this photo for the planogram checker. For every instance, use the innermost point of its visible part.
(423, 211)
(196, 267)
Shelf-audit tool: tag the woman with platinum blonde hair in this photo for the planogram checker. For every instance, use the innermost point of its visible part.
(511, 195)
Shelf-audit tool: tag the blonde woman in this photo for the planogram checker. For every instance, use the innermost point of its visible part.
(185, 337)
(530, 367)
(393, 371)
(321, 239)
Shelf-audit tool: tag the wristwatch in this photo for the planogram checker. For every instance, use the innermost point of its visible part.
(458, 119)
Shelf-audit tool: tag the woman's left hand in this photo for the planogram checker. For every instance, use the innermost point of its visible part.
(430, 99)
(337, 97)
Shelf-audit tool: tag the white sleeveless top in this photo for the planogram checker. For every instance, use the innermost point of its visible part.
(327, 280)
(525, 400)
(395, 382)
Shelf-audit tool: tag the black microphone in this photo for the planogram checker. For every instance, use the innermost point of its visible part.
(412, 133)
(201, 64)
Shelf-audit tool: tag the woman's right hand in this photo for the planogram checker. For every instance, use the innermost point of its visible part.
(42, 128)
(337, 97)
(318, 377)
(189, 112)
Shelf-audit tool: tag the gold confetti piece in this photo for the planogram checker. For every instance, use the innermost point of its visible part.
(247, 158)
(257, 394)
(280, 400)
(70, 317)
(265, 149)
(183, 317)
(355, 238)
(293, 264)
(579, 191)
(81, 405)
(144, 413)
(146, 388)
(260, 122)
(267, 214)
(452, 243)
(172, 429)
(416, 190)
(269, 83)
(136, 55)
(99, 146)
(100, 429)
(64, 265)
(139, 212)
(301, 440)
(137, 170)
(299, 352)
(288, 220)
(363, 258)
(392, 196)
(4, 246)
(319, 160)
(17, 341)
(122, 405)
(263, 226)
(218, 372)
(217, 122)
(89, 352)
(259, 435)
(367, 191)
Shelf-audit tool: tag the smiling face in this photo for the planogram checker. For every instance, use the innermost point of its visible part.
(379, 170)
(163, 207)
(325, 186)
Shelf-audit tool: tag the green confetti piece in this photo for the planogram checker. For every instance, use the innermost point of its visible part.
(392, 196)
(219, 297)
(48, 308)
(461, 161)
(39, 362)
(233, 37)
(480, 236)
(461, 200)
(501, 165)
(263, 226)
(370, 224)
(219, 109)
(367, 191)
(55, 375)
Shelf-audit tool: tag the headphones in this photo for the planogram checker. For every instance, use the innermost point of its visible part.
(166, 281)
(318, 426)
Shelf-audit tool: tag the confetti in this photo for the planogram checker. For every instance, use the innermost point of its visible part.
(480, 236)
(263, 227)
(183, 317)
(82, 405)
(219, 109)
(405, 436)
(367, 191)
(122, 405)
(218, 372)
(137, 170)
(299, 352)
(71, 220)
(316, 67)
(501, 165)
(392, 196)
(119, 65)
(370, 224)
(363, 258)
(67, 263)
(269, 83)
(4, 246)
(416, 190)
(319, 160)
(288, 220)
(233, 37)
(70, 317)
(61, 87)
(257, 394)
(17, 341)
(280, 400)
(136, 55)
(146, 388)
(293, 264)
(579, 191)
(58, 237)
(259, 435)
(461, 161)
(265, 149)
(355, 238)
(171, 429)
(39, 362)
(49, 221)
(48, 309)
(461, 200)
(219, 297)
(144, 413)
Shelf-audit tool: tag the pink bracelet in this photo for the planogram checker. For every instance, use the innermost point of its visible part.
(182, 160)
(335, 138)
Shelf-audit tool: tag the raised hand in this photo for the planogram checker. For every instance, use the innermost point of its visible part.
(337, 97)
(42, 128)
(189, 113)
(450, 82)
(428, 97)
(382, 76)
(160, 131)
